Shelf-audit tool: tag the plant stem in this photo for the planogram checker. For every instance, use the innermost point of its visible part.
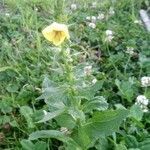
(125, 70)
(69, 77)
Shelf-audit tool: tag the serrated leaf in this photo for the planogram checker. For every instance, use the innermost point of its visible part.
(89, 92)
(53, 134)
(104, 123)
(98, 103)
(53, 93)
(82, 138)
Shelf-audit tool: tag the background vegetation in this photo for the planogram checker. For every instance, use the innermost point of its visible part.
(26, 59)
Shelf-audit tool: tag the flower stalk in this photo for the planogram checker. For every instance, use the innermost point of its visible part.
(69, 77)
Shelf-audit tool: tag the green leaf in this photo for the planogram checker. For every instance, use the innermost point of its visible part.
(131, 141)
(102, 144)
(98, 103)
(48, 134)
(136, 112)
(27, 112)
(144, 145)
(53, 134)
(27, 145)
(126, 89)
(48, 83)
(53, 94)
(3, 69)
(120, 147)
(51, 115)
(104, 123)
(144, 62)
(5, 106)
(89, 92)
(12, 88)
(40, 145)
(7, 73)
(4, 119)
(76, 114)
(14, 124)
(37, 115)
(65, 120)
(83, 139)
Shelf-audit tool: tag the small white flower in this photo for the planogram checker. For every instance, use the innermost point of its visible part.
(109, 35)
(87, 70)
(142, 100)
(111, 11)
(63, 129)
(88, 18)
(109, 38)
(130, 50)
(7, 14)
(145, 102)
(101, 16)
(94, 81)
(73, 6)
(45, 112)
(145, 81)
(92, 25)
(36, 9)
(93, 19)
(145, 109)
(94, 5)
(70, 59)
(136, 21)
(68, 51)
(109, 32)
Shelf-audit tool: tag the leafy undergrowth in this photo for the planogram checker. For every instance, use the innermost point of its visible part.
(108, 53)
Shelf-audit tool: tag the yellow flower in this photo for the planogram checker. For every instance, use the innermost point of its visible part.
(56, 33)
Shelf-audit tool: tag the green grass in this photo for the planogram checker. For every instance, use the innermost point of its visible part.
(26, 58)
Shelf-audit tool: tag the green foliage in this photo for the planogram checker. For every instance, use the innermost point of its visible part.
(45, 92)
(54, 134)
(136, 112)
(28, 145)
(27, 112)
(120, 147)
(104, 123)
(126, 88)
(98, 103)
